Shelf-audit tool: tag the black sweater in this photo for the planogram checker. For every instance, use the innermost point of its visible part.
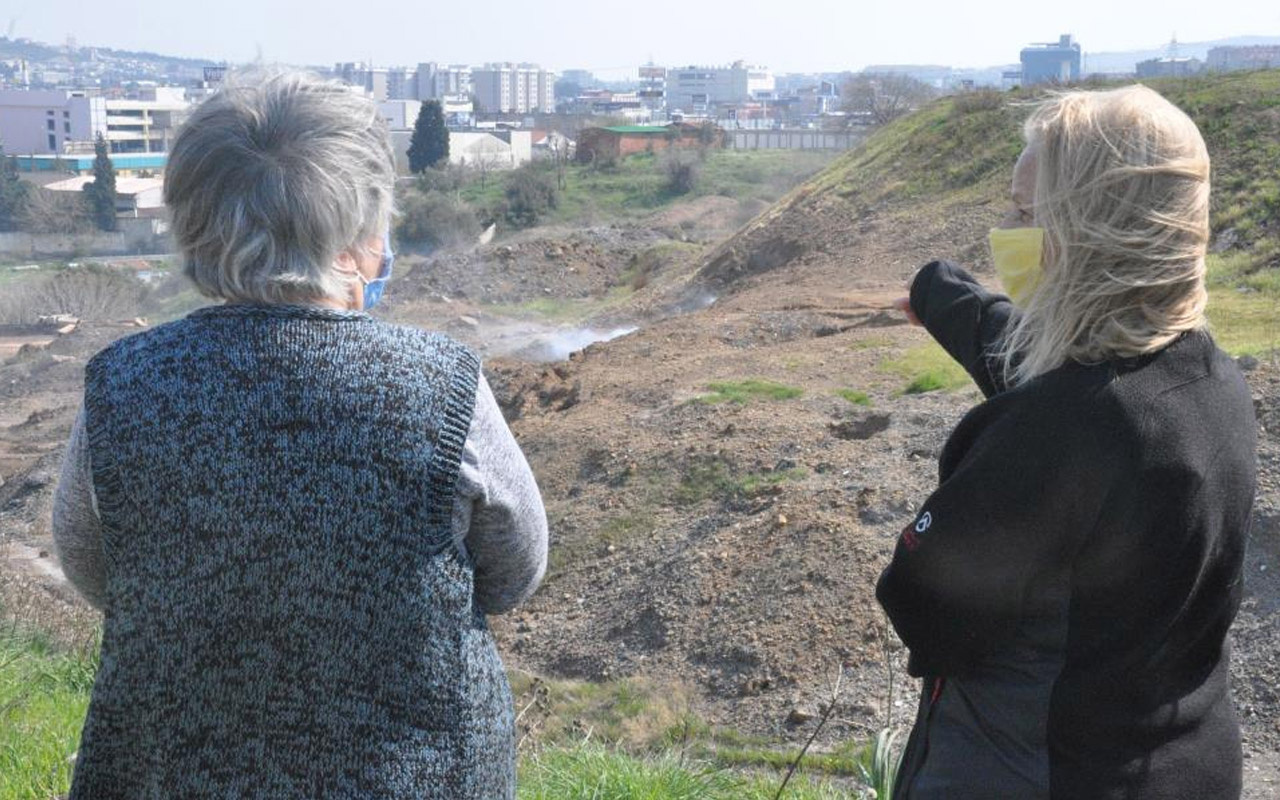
(1067, 590)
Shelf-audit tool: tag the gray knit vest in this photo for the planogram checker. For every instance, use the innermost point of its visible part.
(286, 614)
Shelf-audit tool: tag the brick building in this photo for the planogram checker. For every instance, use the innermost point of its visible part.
(614, 143)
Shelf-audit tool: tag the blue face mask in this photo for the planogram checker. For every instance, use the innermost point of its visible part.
(373, 289)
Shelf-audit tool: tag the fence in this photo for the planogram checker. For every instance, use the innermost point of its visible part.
(797, 139)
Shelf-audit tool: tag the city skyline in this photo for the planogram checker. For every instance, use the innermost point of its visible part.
(823, 38)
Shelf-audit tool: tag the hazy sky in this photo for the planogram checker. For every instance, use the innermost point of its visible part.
(614, 37)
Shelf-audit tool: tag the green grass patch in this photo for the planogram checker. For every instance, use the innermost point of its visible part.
(637, 185)
(631, 712)
(44, 695)
(1244, 300)
(854, 396)
(625, 526)
(926, 368)
(742, 392)
(592, 772)
(715, 479)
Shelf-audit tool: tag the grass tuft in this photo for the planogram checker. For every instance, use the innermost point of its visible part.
(854, 396)
(742, 392)
(926, 368)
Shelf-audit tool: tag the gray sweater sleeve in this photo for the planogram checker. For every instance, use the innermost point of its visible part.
(77, 531)
(498, 518)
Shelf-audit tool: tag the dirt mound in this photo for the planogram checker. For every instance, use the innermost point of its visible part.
(550, 265)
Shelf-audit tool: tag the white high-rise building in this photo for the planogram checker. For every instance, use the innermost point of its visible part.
(513, 88)
(438, 81)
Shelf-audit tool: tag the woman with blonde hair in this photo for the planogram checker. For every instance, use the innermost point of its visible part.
(1066, 591)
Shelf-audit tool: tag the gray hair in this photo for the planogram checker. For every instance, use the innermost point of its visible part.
(273, 177)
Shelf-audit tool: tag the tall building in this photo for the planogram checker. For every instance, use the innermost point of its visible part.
(1051, 62)
(1172, 67)
(582, 77)
(653, 87)
(513, 88)
(437, 81)
(703, 88)
(373, 80)
(401, 84)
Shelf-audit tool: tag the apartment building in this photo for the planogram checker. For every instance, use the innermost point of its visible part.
(513, 88)
(1240, 58)
(437, 81)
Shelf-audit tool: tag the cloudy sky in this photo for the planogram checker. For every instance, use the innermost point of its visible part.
(614, 37)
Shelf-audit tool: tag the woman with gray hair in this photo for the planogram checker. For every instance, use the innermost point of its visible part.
(294, 517)
(1067, 589)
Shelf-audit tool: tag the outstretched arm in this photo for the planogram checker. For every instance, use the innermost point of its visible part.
(966, 319)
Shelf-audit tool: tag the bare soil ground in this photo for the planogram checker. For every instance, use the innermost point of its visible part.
(729, 549)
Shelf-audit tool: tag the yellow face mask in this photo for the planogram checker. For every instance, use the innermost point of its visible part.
(1017, 253)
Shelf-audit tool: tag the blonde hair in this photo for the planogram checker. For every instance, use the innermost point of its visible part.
(1122, 192)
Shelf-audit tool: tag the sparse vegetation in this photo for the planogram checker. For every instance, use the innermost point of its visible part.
(592, 772)
(636, 185)
(1244, 301)
(741, 392)
(926, 368)
(87, 292)
(854, 396)
(714, 478)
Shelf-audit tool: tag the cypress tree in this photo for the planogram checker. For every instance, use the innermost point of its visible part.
(101, 194)
(429, 145)
(13, 193)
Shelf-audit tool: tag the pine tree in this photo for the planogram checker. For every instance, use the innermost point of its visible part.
(430, 143)
(13, 193)
(101, 194)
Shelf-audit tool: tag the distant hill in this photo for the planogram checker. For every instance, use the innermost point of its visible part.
(39, 51)
(1124, 61)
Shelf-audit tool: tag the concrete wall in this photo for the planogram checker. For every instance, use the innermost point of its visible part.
(135, 236)
(799, 139)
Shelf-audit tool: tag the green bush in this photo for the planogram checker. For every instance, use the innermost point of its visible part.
(529, 195)
(434, 219)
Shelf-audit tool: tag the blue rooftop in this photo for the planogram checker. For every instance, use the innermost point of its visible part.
(84, 163)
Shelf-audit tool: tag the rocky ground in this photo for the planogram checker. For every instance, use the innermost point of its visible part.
(729, 549)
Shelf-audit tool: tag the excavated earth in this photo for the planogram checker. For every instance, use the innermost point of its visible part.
(728, 549)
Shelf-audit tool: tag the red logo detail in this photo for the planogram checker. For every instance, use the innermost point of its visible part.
(909, 537)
